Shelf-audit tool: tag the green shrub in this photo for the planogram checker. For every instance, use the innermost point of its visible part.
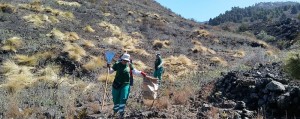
(292, 65)
(264, 36)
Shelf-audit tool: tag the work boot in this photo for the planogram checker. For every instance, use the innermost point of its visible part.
(121, 116)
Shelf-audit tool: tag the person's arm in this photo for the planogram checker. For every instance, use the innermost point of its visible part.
(160, 65)
(111, 69)
(138, 73)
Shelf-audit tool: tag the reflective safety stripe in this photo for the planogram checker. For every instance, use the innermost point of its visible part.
(121, 108)
(116, 108)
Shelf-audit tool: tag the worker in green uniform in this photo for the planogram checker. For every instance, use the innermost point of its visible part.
(121, 83)
(158, 65)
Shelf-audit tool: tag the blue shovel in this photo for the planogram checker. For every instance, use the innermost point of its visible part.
(109, 55)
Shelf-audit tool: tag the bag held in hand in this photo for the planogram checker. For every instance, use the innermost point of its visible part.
(149, 88)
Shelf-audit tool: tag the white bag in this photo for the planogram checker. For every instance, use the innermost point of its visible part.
(149, 88)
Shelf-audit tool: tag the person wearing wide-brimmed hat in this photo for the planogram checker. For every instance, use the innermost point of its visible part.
(121, 83)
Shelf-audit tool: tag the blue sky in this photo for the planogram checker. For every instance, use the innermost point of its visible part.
(202, 10)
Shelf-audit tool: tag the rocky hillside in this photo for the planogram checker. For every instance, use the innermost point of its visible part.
(52, 62)
(275, 23)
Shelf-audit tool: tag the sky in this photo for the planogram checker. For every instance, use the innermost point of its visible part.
(202, 10)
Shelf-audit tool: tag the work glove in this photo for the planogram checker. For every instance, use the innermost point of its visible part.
(143, 74)
(108, 65)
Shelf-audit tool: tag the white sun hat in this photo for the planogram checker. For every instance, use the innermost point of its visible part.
(126, 57)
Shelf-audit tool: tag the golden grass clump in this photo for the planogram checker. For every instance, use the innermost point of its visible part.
(106, 14)
(40, 19)
(35, 6)
(219, 61)
(137, 35)
(75, 52)
(46, 55)
(140, 65)
(9, 66)
(94, 63)
(68, 36)
(270, 53)
(17, 77)
(161, 44)
(127, 42)
(88, 43)
(110, 79)
(65, 3)
(55, 33)
(199, 48)
(12, 44)
(71, 36)
(178, 66)
(136, 51)
(239, 54)
(89, 29)
(26, 60)
(7, 8)
(49, 74)
(202, 33)
(115, 30)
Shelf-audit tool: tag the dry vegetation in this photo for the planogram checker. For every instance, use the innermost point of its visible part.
(12, 44)
(161, 44)
(199, 48)
(123, 39)
(65, 3)
(219, 61)
(178, 66)
(75, 52)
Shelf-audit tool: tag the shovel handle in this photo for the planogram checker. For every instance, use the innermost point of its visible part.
(104, 95)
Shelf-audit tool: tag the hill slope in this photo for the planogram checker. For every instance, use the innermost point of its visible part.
(275, 23)
(52, 62)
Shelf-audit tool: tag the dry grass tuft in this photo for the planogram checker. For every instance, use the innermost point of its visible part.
(88, 43)
(88, 28)
(123, 39)
(219, 61)
(49, 74)
(55, 33)
(40, 19)
(68, 36)
(71, 36)
(202, 33)
(7, 8)
(35, 6)
(140, 65)
(110, 78)
(65, 3)
(26, 60)
(75, 52)
(161, 103)
(115, 30)
(94, 63)
(199, 48)
(17, 77)
(12, 44)
(181, 97)
(239, 54)
(178, 66)
(161, 44)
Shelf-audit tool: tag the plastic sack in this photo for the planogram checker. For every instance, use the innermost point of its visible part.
(149, 88)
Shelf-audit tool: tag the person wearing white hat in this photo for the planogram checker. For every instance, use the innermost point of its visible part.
(121, 83)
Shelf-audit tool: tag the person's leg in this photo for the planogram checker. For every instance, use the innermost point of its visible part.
(116, 99)
(123, 98)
